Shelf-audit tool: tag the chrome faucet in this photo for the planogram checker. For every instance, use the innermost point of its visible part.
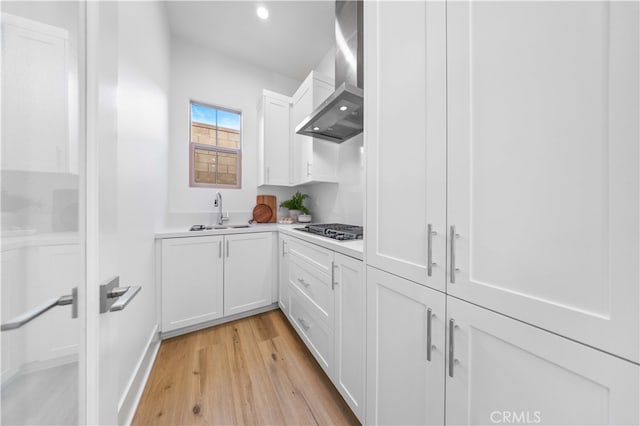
(218, 203)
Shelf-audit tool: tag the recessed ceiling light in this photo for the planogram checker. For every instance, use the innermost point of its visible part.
(263, 12)
(343, 108)
(315, 129)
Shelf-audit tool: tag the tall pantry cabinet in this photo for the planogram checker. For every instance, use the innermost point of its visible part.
(502, 172)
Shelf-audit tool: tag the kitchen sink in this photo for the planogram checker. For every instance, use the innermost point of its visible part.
(238, 226)
(216, 227)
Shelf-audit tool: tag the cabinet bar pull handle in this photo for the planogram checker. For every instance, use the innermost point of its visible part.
(220, 249)
(429, 334)
(452, 324)
(452, 261)
(303, 323)
(267, 175)
(333, 281)
(430, 234)
(227, 248)
(283, 247)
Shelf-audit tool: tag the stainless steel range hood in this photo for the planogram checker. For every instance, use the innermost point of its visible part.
(339, 118)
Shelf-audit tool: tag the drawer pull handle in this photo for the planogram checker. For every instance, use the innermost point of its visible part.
(303, 282)
(429, 316)
(303, 323)
(452, 326)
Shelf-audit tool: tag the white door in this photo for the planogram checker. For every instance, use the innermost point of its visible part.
(405, 131)
(508, 372)
(405, 375)
(249, 271)
(58, 213)
(277, 135)
(283, 274)
(192, 281)
(543, 170)
(349, 331)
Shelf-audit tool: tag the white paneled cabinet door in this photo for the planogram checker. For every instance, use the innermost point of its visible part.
(406, 139)
(277, 136)
(508, 372)
(543, 173)
(249, 271)
(283, 275)
(349, 331)
(192, 281)
(405, 351)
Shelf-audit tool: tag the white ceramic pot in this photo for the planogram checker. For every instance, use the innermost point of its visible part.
(304, 218)
(293, 214)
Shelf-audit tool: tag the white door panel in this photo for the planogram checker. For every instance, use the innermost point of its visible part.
(406, 138)
(404, 386)
(543, 179)
(506, 370)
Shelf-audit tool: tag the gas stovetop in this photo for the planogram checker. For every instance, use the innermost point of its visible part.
(337, 231)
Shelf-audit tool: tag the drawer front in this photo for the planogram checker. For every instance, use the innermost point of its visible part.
(314, 284)
(314, 332)
(315, 255)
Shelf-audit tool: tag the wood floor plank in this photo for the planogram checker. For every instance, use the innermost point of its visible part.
(253, 371)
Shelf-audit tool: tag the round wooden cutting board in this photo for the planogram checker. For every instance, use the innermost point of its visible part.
(261, 213)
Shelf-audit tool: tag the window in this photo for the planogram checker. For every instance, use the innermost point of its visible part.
(214, 147)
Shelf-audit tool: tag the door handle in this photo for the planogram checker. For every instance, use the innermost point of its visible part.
(430, 234)
(220, 249)
(452, 326)
(227, 248)
(31, 314)
(429, 314)
(114, 298)
(333, 275)
(452, 262)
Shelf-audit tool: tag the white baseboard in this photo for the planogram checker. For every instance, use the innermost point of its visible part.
(131, 398)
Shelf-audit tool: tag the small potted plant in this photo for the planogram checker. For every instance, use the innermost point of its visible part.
(296, 205)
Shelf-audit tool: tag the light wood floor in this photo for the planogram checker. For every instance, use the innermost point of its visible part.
(251, 371)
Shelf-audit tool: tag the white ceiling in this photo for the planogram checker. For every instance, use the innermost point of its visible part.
(291, 41)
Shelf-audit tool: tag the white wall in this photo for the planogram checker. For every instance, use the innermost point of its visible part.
(143, 134)
(343, 202)
(211, 77)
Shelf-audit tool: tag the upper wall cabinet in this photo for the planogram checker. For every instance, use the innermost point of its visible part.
(37, 97)
(274, 162)
(406, 139)
(543, 173)
(313, 160)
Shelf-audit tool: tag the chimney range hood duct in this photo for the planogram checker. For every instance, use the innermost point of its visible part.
(339, 118)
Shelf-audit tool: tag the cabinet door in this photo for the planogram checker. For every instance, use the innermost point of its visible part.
(405, 128)
(302, 149)
(277, 134)
(405, 377)
(543, 165)
(35, 81)
(249, 271)
(192, 279)
(283, 275)
(506, 371)
(349, 331)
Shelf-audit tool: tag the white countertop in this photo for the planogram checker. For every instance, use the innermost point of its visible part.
(353, 248)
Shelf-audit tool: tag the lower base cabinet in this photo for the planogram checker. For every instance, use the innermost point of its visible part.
(249, 270)
(192, 281)
(503, 371)
(405, 351)
(205, 278)
(323, 295)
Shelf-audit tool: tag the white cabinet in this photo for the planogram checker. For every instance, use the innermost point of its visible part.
(274, 162)
(192, 281)
(206, 278)
(405, 351)
(406, 139)
(314, 160)
(509, 372)
(543, 165)
(249, 272)
(36, 97)
(323, 295)
(349, 331)
(283, 274)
